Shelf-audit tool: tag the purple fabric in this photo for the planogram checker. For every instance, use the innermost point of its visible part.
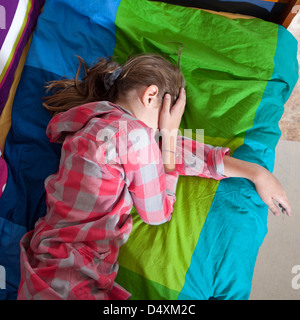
(31, 22)
(9, 9)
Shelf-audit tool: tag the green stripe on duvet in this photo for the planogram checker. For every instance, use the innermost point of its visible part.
(140, 283)
(214, 65)
(225, 80)
(155, 247)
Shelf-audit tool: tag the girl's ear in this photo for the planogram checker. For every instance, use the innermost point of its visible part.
(150, 95)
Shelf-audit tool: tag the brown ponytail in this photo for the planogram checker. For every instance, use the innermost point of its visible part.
(145, 69)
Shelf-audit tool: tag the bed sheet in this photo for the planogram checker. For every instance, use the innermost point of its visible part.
(239, 74)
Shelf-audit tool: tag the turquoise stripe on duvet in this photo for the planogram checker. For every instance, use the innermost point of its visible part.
(235, 231)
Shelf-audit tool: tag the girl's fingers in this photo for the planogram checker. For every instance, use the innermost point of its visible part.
(182, 95)
(180, 103)
(284, 206)
(273, 208)
(283, 210)
(166, 103)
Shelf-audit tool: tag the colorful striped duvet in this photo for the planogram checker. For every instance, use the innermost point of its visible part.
(239, 74)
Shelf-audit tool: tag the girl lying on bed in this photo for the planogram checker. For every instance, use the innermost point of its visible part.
(108, 130)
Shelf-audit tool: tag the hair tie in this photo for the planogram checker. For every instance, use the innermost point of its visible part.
(110, 78)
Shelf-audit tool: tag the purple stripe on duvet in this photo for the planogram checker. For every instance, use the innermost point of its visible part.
(9, 9)
(8, 78)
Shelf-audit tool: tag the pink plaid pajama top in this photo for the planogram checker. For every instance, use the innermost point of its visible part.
(109, 162)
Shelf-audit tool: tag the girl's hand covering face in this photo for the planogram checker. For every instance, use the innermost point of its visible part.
(170, 116)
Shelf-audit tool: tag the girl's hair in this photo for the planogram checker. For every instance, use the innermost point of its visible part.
(107, 79)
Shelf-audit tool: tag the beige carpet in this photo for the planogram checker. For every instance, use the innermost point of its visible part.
(290, 122)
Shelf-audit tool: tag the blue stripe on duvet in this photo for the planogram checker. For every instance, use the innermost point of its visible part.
(57, 42)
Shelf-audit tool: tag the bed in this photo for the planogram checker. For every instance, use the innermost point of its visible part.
(240, 68)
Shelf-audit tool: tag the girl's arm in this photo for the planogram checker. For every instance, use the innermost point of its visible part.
(267, 186)
(151, 188)
(212, 161)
